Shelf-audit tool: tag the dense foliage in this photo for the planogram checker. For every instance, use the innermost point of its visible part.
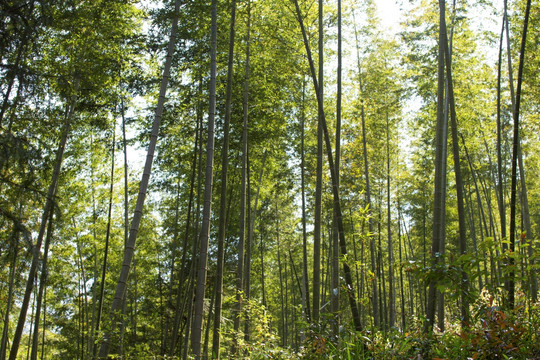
(421, 219)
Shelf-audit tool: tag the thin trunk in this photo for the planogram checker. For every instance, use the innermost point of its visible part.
(334, 295)
(263, 286)
(305, 282)
(464, 284)
(316, 286)
(391, 290)
(50, 200)
(189, 294)
(42, 286)
(247, 255)
(515, 151)
(250, 241)
(402, 289)
(374, 285)
(174, 249)
(84, 316)
(318, 175)
(126, 219)
(107, 237)
(375, 294)
(471, 214)
(500, 184)
(207, 208)
(12, 267)
(440, 184)
(121, 286)
(380, 269)
(180, 294)
(223, 191)
(243, 205)
(281, 287)
(29, 344)
(524, 198)
(207, 328)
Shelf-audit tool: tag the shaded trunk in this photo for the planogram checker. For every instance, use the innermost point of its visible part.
(207, 207)
(223, 191)
(515, 151)
(243, 195)
(440, 184)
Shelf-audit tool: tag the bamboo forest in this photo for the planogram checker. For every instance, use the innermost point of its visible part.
(269, 179)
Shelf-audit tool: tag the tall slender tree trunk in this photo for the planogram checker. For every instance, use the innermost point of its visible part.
(334, 295)
(42, 287)
(196, 166)
(243, 195)
(391, 289)
(524, 198)
(318, 175)
(107, 237)
(515, 151)
(305, 282)
(402, 289)
(207, 208)
(223, 198)
(464, 285)
(440, 184)
(129, 252)
(500, 183)
(189, 294)
(374, 286)
(281, 285)
(49, 203)
(126, 218)
(250, 241)
(335, 190)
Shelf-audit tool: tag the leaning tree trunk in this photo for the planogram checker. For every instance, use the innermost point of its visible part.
(129, 251)
(51, 194)
(335, 190)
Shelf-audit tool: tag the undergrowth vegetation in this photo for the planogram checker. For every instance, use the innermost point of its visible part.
(492, 334)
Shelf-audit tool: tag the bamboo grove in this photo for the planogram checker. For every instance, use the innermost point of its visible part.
(257, 179)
